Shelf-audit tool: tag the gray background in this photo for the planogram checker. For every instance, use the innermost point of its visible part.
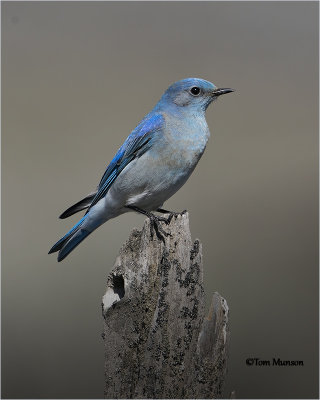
(76, 79)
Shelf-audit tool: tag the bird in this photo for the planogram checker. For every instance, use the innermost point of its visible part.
(153, 163)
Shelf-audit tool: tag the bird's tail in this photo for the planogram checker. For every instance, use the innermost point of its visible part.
(71, 240)
(81, 205)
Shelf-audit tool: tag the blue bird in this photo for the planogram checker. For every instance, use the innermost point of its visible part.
(153, 163)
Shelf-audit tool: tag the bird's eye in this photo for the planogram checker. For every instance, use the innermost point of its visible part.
(195, 91)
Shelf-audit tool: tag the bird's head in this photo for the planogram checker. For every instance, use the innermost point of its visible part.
(192, 94)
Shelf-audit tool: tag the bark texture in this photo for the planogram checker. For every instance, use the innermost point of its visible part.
(158, 343)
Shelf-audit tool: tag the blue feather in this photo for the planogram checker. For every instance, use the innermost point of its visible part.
(75, 239)
(67, 236)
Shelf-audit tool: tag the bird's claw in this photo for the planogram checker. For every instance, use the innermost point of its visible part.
(173, 214)
(156, 226)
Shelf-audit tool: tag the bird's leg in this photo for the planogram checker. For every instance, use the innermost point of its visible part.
(154, 222)
(172, 214)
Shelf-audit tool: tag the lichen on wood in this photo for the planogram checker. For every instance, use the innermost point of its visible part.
(158, 342)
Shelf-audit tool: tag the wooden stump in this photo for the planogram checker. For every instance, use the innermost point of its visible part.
(158, 343)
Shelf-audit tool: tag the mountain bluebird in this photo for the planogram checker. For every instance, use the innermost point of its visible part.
(153, 163)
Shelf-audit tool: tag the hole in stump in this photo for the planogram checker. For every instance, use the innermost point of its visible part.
(118, 285)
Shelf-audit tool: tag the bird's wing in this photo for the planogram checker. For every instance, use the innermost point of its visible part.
(137, 143)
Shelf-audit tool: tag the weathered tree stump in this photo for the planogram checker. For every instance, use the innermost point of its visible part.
(158, 343)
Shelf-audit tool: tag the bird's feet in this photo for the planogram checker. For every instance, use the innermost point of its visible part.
(155, 221)
(171, 214)
(155, 226)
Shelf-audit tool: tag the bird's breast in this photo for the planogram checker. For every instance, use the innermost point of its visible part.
(184, 142)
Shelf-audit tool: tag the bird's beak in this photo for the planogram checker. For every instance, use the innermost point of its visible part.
(219, 92)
